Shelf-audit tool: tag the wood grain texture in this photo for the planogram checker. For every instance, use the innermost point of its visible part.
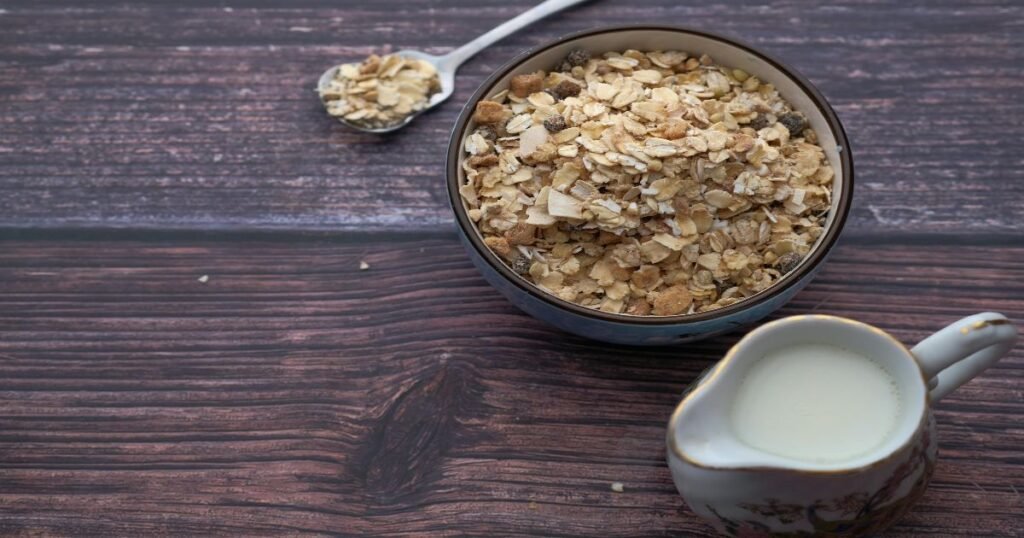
(293, 394)
(189, 115)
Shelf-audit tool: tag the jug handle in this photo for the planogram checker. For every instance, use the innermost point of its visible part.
(954, 355)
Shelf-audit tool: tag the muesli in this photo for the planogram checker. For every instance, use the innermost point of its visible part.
(381, 91)
(645, 183)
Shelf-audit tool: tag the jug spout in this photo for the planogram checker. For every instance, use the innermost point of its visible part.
(700, 431)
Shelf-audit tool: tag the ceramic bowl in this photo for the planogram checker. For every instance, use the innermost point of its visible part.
(657, 330)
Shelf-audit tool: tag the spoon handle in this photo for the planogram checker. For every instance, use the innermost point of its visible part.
(454, 59)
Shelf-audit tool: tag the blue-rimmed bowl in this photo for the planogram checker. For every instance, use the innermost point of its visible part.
(658, 330)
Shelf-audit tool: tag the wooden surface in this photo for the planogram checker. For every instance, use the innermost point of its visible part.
(143, 146)
(149, 116)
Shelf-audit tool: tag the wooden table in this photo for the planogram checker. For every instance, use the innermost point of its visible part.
(143, 146)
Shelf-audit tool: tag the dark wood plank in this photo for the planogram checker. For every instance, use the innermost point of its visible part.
(190, 115)
(294, 394)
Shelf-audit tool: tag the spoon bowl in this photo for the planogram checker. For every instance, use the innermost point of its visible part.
(449, 63)
(445, 71)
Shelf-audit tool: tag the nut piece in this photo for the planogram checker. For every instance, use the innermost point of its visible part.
(499, 245)
(524, 85)
(672, 301)
(488, 112)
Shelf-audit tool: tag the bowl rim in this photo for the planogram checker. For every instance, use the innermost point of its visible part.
(468, 228)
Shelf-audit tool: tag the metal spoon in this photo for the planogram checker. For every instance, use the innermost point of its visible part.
(449, 63)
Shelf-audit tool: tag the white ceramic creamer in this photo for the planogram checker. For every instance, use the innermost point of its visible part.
(751, 473)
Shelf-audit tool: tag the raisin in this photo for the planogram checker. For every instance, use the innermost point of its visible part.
(521, 265)
(578, 57)
(794, 122)
(788, 262)
(554, 123)
(566, 88)
(760, 122)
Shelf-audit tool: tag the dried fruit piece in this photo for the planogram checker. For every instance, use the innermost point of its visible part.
(793, 122)
(577, 57)
(488, 112)
(554, 123)
(788, 262)
(760, 122)
(565, 88)
(521, 265)
(524, 85)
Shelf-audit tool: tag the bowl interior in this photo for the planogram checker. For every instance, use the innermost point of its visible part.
(723, 52)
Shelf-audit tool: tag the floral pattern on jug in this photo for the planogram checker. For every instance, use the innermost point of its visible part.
(855, 514)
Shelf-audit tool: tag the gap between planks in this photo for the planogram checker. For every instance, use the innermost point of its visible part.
(356, 235)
